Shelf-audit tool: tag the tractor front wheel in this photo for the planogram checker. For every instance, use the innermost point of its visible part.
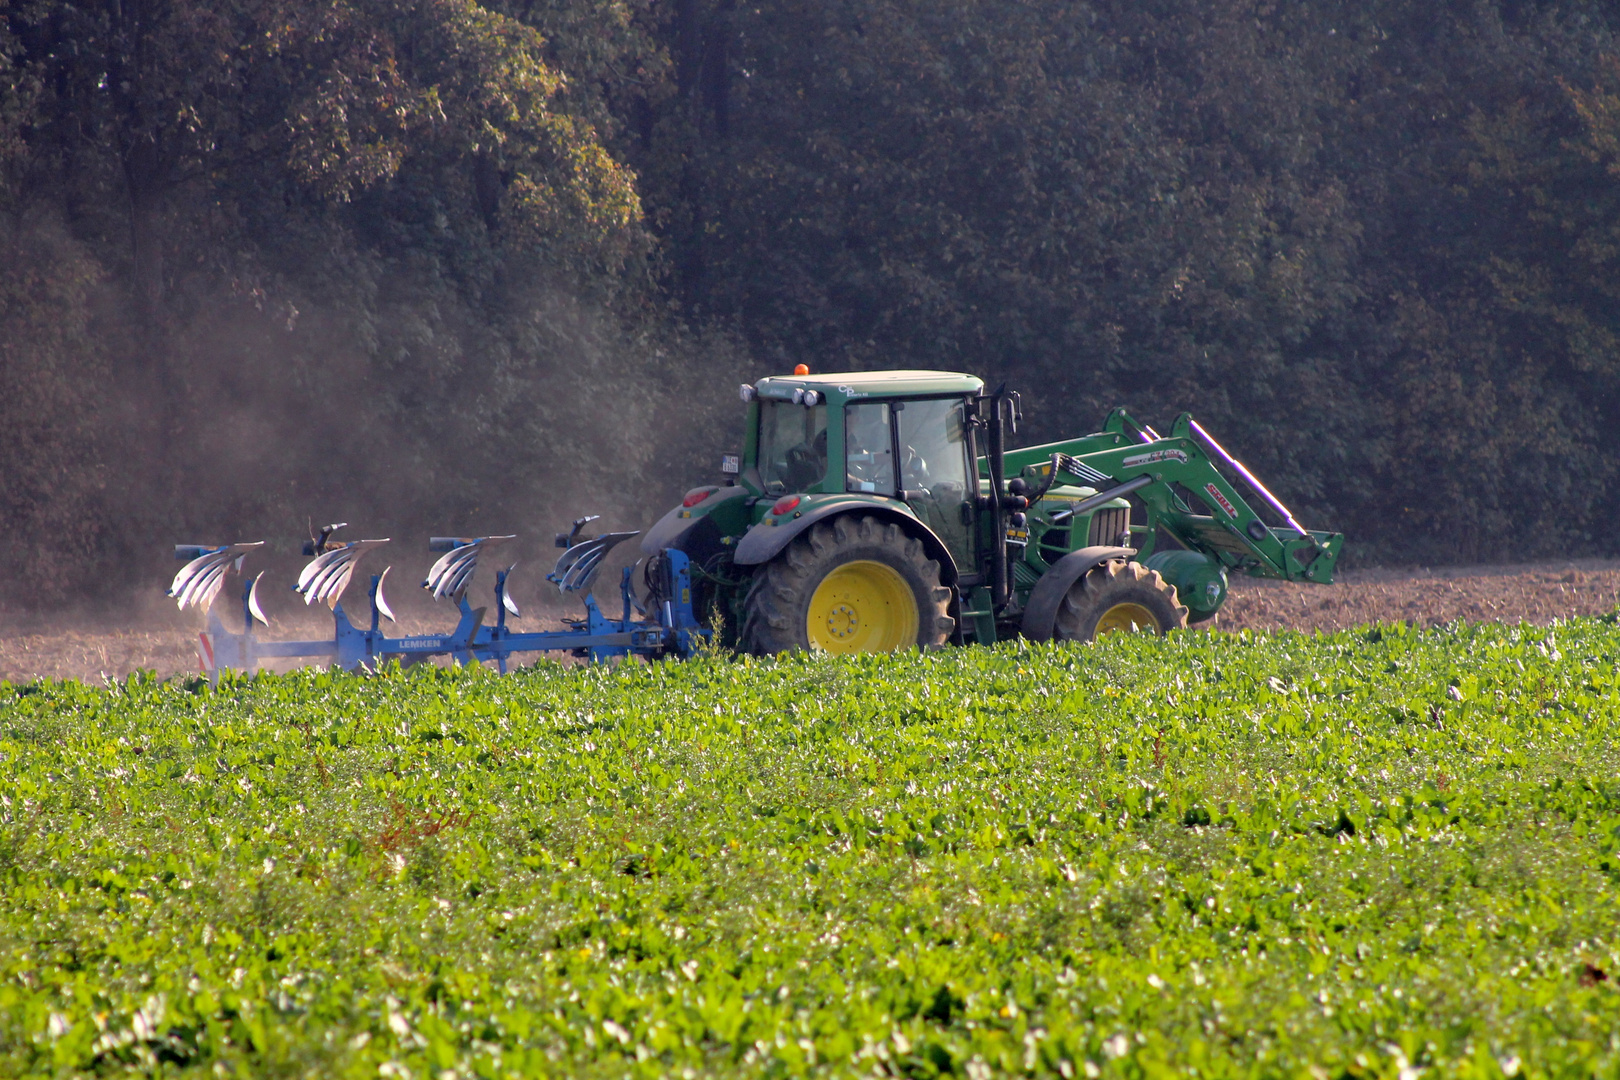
(852, 584)
(1118, 596)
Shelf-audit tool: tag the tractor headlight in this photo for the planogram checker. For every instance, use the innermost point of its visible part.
(811, 397)
(746, 392)
(798, 395)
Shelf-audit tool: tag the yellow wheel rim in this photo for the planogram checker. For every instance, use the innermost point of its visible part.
(1128, 618)
(862, 606)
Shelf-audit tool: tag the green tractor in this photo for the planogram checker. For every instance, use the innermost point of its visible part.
(881, 510)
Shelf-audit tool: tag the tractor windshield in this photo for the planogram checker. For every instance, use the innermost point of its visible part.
(792, 446)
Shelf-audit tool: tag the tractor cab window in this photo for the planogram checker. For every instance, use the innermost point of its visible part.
(792, 446)
(869, 448)
(934, 469)
(933, 443)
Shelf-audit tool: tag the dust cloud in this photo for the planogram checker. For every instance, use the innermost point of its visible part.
(243, 420)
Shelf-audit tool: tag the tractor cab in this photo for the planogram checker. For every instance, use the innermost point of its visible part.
(877, 435)
(796, 419)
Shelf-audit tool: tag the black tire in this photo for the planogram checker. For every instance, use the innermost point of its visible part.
(1114, 594)
(777, 610)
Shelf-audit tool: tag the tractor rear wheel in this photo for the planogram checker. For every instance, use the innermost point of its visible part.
(1118, 596)
(852, 584)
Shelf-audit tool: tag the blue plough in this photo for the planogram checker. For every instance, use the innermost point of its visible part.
(667, 625)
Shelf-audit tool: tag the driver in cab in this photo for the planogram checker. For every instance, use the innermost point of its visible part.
(869, 457)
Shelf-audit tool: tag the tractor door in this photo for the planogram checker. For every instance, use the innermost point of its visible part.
(936, 471)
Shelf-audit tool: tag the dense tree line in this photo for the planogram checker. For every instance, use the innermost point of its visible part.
(1372, 241)
(495, 263)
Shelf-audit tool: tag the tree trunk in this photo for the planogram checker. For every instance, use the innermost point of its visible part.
(688, 47)
(717, 67)
(144, 181)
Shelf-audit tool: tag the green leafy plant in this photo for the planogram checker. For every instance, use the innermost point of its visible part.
(1374, 853)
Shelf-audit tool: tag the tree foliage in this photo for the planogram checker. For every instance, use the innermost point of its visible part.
(1367, 241)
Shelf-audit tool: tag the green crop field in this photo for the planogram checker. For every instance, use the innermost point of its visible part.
(1389, 853)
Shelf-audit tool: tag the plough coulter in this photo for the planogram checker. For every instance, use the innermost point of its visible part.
(662, 625)
(866, 512)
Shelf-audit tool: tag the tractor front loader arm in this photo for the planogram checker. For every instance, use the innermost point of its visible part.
(1162, 471)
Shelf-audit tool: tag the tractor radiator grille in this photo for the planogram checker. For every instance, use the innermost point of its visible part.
(1108, 523)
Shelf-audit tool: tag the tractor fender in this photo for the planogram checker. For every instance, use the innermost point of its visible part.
(1040, 614)
(762, 543)
(671, 529)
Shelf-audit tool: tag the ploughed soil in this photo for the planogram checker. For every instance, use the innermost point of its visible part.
(163, 641)
(1534, 593)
